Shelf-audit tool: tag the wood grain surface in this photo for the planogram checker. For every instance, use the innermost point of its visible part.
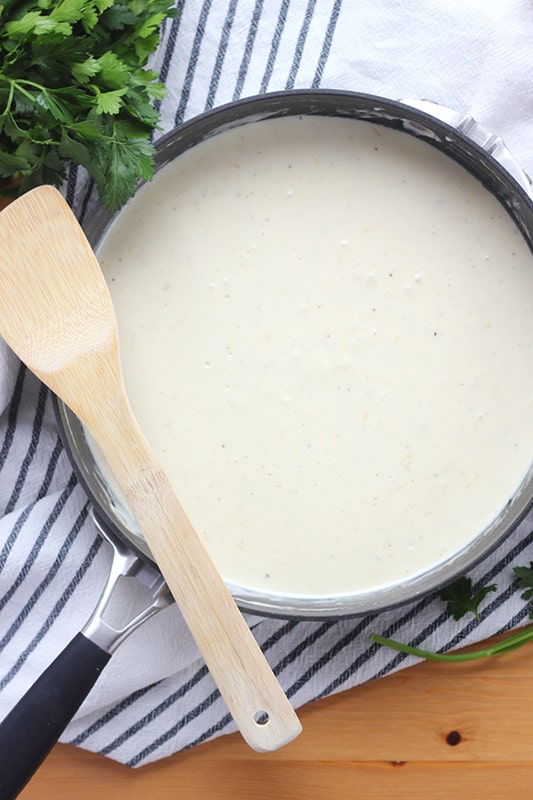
(429, 732)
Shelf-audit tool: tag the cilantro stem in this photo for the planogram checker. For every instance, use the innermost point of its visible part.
(499, 648)
(18, 84)
(9, 100)
(23, 82)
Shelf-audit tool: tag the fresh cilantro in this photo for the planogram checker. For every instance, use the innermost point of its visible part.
(74, 86)
(460, 598)
(525, 581)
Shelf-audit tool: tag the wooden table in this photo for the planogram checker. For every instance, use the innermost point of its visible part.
(429, 732)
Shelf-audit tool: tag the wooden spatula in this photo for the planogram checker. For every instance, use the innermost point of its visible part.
(56, 314)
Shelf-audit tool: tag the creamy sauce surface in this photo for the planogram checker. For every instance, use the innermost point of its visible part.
(327, 335)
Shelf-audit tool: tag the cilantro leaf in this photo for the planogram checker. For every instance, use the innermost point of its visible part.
(108, 102)
(83, 71)
(113, 71)
(460, 598)
(23, 26)
(68, 10)
(525, 581)
(53, 104)
(118, 17)
(126, 157)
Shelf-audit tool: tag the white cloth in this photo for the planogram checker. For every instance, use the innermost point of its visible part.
(155, 696)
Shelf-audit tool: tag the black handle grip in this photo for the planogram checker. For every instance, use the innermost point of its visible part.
(34, 725)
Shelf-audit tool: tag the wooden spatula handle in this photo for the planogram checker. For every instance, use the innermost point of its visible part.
(58, 316)
(252, 693)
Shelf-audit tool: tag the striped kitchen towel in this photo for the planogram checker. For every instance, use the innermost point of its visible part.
(156, 697)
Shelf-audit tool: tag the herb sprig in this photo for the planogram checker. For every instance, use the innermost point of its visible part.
(74, 86)
(460, 599)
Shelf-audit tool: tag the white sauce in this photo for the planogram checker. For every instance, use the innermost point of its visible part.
(327, 336)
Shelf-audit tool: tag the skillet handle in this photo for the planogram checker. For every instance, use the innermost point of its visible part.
(34, 725)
